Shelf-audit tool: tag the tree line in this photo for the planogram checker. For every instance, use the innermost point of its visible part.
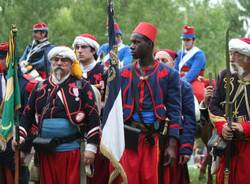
(69, 18)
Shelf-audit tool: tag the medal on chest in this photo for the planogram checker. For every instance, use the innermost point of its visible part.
(80, 116)
(76, 93)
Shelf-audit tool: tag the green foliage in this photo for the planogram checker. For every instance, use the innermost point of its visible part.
(69, 18)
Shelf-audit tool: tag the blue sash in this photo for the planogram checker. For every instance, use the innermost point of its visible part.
(60, 127)
(148, 117)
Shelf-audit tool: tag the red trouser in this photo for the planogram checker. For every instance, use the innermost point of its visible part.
(141, 167)
(198, 88)
(60, 167)
(101, 173)
(239, 164)
(6, 175)
(177, 173)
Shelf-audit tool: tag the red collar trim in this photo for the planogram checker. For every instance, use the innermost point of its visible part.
(154, 68)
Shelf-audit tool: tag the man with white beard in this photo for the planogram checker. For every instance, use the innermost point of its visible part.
(63, 108)
(239, 133)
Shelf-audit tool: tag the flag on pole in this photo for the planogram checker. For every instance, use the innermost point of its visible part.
(112, 142)
(111, 27)
(12, 100)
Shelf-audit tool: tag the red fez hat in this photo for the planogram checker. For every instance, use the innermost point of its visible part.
(188, 32)
(40, 26)
(146, 29)
(172, 53)
(86, 39)
(247, 40)
(241, 45)
(117, 29)
(90, 36)
(4, 47)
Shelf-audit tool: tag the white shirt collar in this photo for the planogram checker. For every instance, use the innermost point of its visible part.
(87, 68)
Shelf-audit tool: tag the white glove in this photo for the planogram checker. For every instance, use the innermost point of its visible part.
(23, 63)
(35, 75)
(25, 66)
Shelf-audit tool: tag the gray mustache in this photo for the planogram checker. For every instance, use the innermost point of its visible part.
(58, 68)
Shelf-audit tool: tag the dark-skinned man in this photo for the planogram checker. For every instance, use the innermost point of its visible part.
(151, 94)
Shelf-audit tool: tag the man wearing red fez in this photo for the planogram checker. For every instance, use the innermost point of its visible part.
(151, 101)
(34, 64)
(188, 125)
(124, 52)
(239, 133)
(191, 62)
(86, 48)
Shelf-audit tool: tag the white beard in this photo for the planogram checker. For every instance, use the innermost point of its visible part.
(235, 68)
(58, 74)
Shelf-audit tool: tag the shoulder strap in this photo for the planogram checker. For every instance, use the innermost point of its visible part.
(136, 94)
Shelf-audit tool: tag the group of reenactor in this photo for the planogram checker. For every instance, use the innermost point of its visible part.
(63, 96)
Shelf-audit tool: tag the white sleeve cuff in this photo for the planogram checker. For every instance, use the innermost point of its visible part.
(91, 147)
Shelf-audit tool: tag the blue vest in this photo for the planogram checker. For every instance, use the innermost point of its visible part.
(159, 82)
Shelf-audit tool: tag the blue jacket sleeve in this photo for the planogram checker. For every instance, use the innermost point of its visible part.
(173, 104)
(25, 53)
(188, 123)
(126, 56)
(103, 49)
(198, 64)
(177, 61)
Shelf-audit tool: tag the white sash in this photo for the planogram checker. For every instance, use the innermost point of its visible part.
(189, 54)
(36, 49)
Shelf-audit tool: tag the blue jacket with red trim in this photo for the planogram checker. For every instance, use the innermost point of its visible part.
(188, 119)
(164, 88)
(194, 67)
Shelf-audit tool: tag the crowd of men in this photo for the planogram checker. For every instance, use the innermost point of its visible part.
(63, 94)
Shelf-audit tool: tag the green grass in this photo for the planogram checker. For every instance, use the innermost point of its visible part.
(194, 176)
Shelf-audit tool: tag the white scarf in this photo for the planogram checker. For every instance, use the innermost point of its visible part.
(87, 68)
